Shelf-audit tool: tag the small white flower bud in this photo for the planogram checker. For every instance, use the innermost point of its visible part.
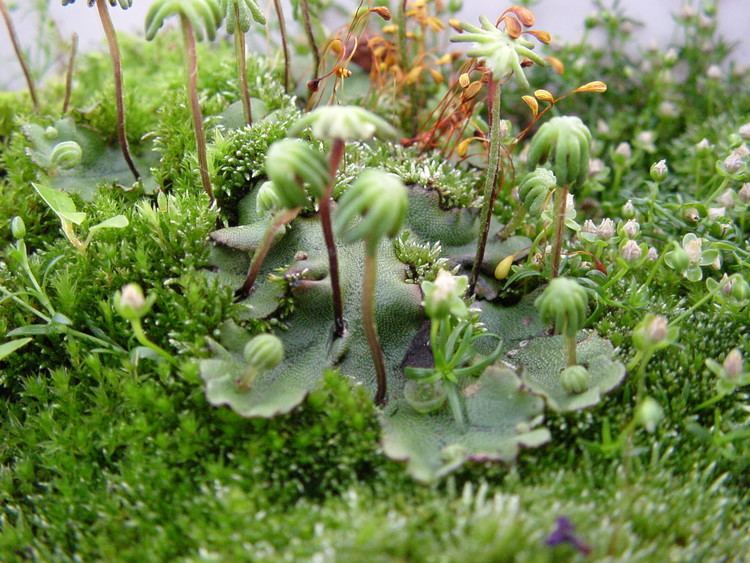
(606, 229)
(659, 171)
(602, 127)
(694, 250)
(733, 163)
(726, 199)
(668, 109)
(132, 296)
(589, 227)
(649, 414)
(631, 228)
(726, 284)
(653, 254)
(745, 131)
(671, 55)
(745, 193)
(630, 251)
(716, 212)
(703, 145)
(733, 363)
(628, 210)
(714, 72)
(656, 330)
(646, 139)
(623, 150)
(596, 166)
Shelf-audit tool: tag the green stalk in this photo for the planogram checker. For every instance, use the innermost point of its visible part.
(191, 61)
(454, 401)
(140, 335)
(239, 45)
(368, 321)
(114, 53)
(571, 345)
(561, 201)
(19, 54)
(283, 218)
(490, 185)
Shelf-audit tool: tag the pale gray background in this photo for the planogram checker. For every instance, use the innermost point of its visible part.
(563, 18)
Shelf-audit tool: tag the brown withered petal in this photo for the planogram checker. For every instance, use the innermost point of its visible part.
(456, 25)
(595, 87)
(472, 90)
(542, 36)
(525, 15)
(512, 26)
(544, 96)
(532, 103)
(383, 12)
(556, 64)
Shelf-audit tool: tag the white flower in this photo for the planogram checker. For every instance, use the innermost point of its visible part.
(671, 55)
(601, 127)
(716, 212)
(745, 131)
(703, 145)
(694, 250)
(596, 166)
(653, 254)
(726, 284)
(624, 150)
(687, 12)
(745, 193)
(630, 251)
(714, 72)
(646, 140)
(668, 109)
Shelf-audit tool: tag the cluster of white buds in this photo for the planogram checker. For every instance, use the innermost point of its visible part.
(605, 230)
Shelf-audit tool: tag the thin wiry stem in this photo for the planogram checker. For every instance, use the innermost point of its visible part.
(368, 322)
(239, 43)
(337, 154)
(490, 185)
(561, 201)
(19, 54)
(284, 44)
(191, 60)
(69, 73)
(283, 218)
(307, 21)
(114, 52)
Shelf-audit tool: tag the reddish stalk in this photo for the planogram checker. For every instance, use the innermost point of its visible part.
(337, 155)
(283, 218)
(114, 52)
(284, 43)
(69, 73)
(307, 23)
(191, 60)
(19, 54)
